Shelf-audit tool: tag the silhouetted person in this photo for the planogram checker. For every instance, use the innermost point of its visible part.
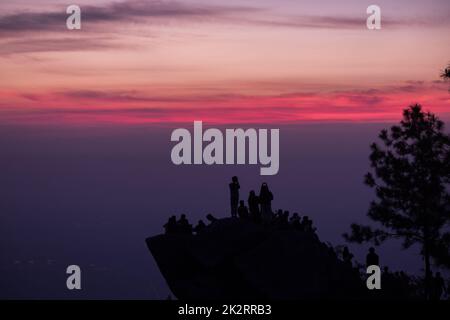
(372, 258)
(242, 210)
(294, 217)
(265, 198)
(253, 206)
(295, 220)
(437, 286)
(171, 225)
(307, 225)
(386, 280)
(211, 218)
(200, 227)
(304, 223)
(347, 257)
(277, 216)
(284, 219)
(234, 195)
(183, 225)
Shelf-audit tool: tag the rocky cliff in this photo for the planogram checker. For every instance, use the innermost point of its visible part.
(238, 259)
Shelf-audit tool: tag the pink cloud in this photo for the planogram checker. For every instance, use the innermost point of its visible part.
(89, 106)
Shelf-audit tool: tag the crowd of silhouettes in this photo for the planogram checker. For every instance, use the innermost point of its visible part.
(181, 226)
(259, 210)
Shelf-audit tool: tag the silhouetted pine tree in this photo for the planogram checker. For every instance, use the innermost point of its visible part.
(411, 177)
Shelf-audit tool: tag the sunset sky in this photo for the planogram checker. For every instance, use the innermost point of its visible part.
(86, 118)
(235, 61)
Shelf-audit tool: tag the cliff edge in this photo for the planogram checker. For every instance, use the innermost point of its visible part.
(238, 259)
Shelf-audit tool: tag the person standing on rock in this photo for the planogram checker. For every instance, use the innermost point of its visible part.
(265, 199)
(372, 258)
(253, 206)
(234, 193)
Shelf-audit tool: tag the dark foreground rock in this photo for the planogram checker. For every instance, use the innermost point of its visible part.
(236, 259)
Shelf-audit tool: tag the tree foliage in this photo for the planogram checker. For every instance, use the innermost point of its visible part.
(410, 176)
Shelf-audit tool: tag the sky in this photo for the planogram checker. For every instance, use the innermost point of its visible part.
(86, 117)
(222, 62)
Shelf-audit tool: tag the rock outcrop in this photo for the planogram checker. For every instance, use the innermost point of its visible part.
(239, 259)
